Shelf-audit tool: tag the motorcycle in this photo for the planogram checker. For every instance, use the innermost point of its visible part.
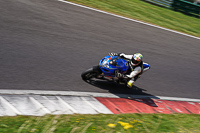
(109, 68)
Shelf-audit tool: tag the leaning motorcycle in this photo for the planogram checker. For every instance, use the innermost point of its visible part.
(109, 68)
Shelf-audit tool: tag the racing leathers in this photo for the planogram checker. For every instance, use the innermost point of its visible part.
(135, 70)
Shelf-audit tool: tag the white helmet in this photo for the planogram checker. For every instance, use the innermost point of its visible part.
(137, 58)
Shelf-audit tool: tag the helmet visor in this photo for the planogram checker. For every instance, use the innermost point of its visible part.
(135, 61)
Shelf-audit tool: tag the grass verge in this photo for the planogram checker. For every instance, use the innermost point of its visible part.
(102, 123)
(143, 11)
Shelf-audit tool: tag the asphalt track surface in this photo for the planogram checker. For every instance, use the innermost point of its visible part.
(47, 44)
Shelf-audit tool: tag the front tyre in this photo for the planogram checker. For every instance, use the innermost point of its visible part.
(88, 74)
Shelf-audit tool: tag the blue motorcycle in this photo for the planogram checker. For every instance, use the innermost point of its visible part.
(108, 69)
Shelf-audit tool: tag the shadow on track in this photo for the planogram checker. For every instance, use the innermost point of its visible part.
(135, 93)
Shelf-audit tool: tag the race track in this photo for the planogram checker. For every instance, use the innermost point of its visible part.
(47, 44)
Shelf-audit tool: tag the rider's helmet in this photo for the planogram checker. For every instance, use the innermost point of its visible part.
(136, 59)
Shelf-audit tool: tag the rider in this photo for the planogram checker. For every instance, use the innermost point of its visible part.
(135, 66)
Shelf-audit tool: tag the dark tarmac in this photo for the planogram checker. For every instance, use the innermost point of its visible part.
(47, 44)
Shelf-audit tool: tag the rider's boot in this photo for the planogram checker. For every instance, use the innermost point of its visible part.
(130, 83)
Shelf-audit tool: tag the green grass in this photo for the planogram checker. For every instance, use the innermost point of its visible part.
(101, 123)
(143, 11)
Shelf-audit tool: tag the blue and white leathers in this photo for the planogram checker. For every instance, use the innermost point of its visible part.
(137, 69)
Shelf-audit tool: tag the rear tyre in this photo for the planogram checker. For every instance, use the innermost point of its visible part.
(88, 74)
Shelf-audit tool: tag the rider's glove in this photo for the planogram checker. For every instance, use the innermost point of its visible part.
(113, 54)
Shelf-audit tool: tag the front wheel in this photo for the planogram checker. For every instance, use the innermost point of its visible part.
(88, 74)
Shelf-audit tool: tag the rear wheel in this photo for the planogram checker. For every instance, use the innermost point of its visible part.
(88, 74)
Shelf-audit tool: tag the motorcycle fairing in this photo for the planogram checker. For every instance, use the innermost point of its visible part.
(110, 65)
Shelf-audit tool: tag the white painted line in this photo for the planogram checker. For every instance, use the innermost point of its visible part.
(129, 19)
(67, 105)
(98, 111)
(40, 105)
(101, 107)
(91, 94)
(49, 100)
(179, 110)
(10, 106)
